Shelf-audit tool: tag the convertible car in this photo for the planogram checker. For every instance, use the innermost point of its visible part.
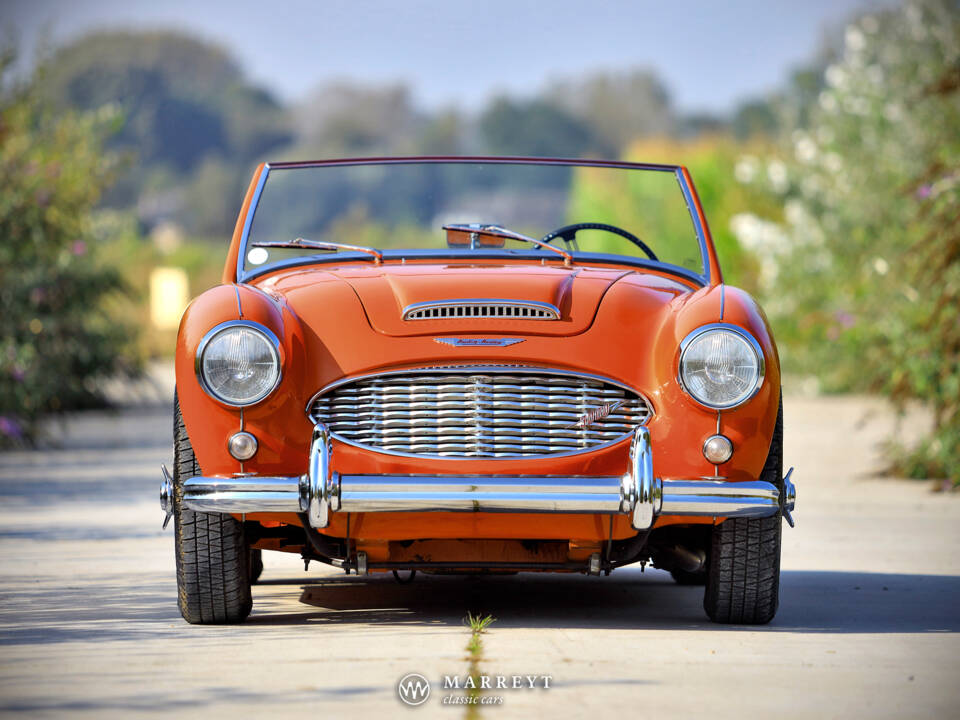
(476, 365)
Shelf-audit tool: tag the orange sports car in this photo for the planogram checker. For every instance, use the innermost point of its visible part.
(476, 365)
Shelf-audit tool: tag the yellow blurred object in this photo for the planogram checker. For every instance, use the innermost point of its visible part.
(169, 292)
(167, 237)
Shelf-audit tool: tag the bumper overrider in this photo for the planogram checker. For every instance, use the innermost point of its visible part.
(322, 491)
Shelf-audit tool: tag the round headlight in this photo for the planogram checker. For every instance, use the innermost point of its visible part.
(721, 366)
(239, 363)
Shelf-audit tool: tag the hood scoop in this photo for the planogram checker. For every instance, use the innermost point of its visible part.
(479, 308)
(411, 299)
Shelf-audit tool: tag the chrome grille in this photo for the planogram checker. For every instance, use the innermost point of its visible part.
(478, 411)
(466, 309)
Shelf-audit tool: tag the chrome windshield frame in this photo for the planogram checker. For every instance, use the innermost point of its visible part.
(704, 277)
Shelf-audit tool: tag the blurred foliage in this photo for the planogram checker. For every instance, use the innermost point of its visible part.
(615, 107)
(712, 160)
(189, 111)
(57, 334)
(121, 246)
(342, 120)
(534, 127)
(865, 284)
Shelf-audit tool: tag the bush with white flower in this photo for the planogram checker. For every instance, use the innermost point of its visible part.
(863, 282)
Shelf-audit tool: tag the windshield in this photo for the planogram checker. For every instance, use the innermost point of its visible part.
(304, 212)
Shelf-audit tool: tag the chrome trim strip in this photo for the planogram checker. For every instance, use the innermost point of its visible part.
(469, 493)
(737, 330)
(638, 492)
(239, 305)
(198, 364)
(320, 482)
(243, 494)
(248, 223)
(198, 486)
(719, 498)
(698, 226)
(474, 369)
(548, 311)
(475, 493)
(643, 486)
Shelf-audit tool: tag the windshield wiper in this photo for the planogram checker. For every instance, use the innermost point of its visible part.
(501, 232)
(304, 243)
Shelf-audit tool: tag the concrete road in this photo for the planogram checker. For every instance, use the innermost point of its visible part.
(869, 624)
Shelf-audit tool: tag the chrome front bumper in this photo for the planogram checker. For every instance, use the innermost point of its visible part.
(638, 492)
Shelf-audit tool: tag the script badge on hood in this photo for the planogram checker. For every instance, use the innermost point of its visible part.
(479, 342)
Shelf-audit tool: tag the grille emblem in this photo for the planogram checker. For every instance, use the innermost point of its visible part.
(479, 342)
(595, 414)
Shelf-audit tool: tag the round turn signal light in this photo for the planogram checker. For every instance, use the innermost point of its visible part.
(718, 449)
(242, 446)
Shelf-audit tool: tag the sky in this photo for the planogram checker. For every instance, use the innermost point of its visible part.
(709, 54)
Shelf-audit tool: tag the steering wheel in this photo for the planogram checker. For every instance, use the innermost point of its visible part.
(568, 234)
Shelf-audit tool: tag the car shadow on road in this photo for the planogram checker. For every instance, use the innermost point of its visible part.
(811, 602)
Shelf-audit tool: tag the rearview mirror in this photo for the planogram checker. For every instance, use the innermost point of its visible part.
(469, 236)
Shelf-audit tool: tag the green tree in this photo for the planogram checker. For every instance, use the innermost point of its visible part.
(187, 104)
(342, 119)
(57, 335)
(867, 287)
(618, 107)
(534, 127)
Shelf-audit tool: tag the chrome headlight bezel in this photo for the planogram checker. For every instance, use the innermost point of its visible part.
(273, 342)
(741, 334)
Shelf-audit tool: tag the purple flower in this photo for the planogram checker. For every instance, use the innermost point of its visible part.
(79, 247)
(10, 427)
(17, 373)
(845, 319)
(924, 191)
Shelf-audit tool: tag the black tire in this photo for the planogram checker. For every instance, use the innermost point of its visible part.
(256, 565)
(213, 559)
(743, 569)
(682, 577)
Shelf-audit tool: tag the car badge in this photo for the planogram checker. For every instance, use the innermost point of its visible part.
(479, 342)
(595, 414)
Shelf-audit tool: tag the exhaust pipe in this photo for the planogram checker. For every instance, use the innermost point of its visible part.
(678, 557)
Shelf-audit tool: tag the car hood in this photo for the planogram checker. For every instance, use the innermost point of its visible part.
(386, 290)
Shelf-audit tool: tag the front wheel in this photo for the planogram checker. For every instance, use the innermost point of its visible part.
(743, 571)
(213, 558)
